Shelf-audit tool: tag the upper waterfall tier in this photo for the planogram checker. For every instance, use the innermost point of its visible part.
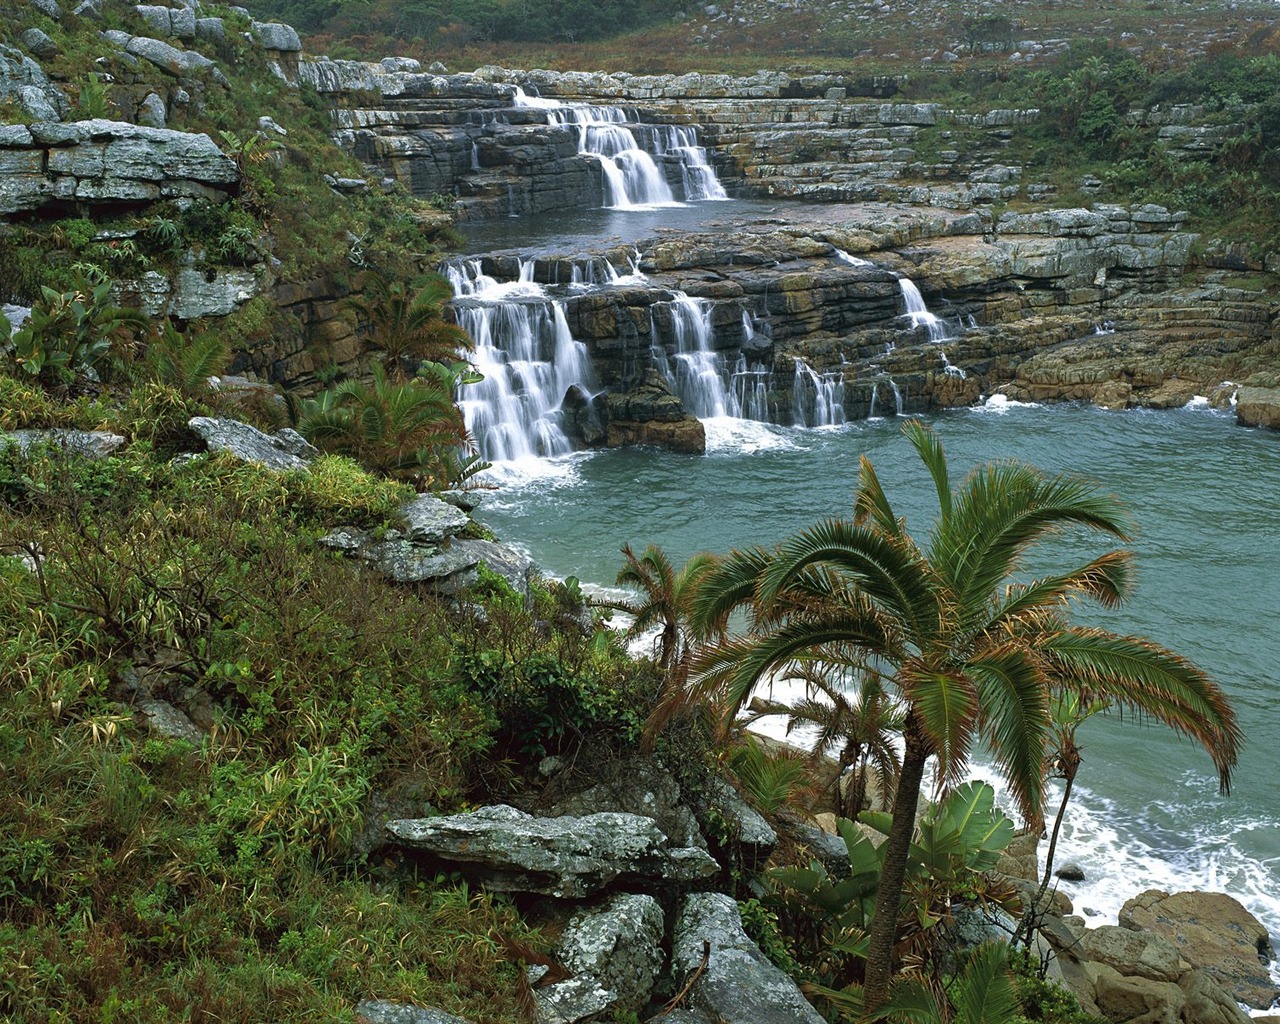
(628, 153)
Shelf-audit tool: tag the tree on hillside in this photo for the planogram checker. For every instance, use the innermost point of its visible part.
(408, 325)
(973, 649)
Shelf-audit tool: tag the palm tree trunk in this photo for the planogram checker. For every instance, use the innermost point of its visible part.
(884, 927)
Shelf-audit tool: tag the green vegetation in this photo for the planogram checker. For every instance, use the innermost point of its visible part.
(971, 651)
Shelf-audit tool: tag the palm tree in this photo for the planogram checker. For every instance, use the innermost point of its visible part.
(856, 720)
(410, 431)
(409, 324)
(666, 603)
(971, 654)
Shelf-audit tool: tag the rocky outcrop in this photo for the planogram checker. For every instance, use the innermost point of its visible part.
(97, 163)
(383, 1011)
(565, 857)
(282, 451)
(737, 984)
(1213, 932)
(614, 952)
(88, 444)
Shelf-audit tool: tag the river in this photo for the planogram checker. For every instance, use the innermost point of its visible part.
(1146, 811)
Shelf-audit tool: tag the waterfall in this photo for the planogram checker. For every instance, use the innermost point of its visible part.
(919, 313)
(697, 176)
(699, 375)
(751, 386)
(817, 400)
(853, 261)
(528, 357)
(632, 177)
(949, 369)
(875, 397)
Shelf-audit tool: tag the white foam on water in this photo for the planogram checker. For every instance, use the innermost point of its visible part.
(730, 434)
(531, 474)
(1002, 404)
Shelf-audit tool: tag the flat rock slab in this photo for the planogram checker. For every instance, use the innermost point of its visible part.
(740, 985)
(563, 857)
(282, 451)
(1214, 932)
(89, 444)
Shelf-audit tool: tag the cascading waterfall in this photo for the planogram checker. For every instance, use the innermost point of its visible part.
(632, 177)
(528, 357)
(949, 369)
(817, 399)
(919, 313)
(698, 375)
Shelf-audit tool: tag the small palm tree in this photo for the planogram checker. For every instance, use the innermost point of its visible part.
(665, 604)
(408, 325)
(856, 721)
(409, 430)
(973, 649)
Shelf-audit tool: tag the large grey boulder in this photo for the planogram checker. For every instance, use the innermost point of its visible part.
(739, 985)
(282, 451)
(275, 36)
(513, 566)
(38, 43)
(445, 567)
(24, 82)
(383, 1011)
(1214, 932)
(565, 857)
(619, 945)
(169, 58)
(748, 831)
(429, 520)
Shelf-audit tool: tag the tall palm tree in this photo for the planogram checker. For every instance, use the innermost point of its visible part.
(972, 654)
(408, 324)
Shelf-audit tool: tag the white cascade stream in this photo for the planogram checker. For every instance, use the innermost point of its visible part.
(918, 313)
(632, 177)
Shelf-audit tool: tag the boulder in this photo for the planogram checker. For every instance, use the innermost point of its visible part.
(748, 831)
(276, 36)
(1137, 1000)
(23, 81)
(1207, 1002)
(383, 1011)
(429, 520)
(151, 111)
(38, 43)
(49, 8)
(282, 451)
(1258, 407)
(197, 293)
(619, 945)
(163, 719)
(88, 444)
(1129, 952)
(405, 561)
(739, 984)
(566, 857)
(1214, 932)
(513, 566)
(569, 1001)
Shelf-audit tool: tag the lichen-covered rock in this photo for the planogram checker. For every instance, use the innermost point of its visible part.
(564, 857)
(88, 444)
(513, 566)
(199, 293)
(152, 112)
(38, 43)
(428, 519)
(1211, 931)
(747, 829)
(619, 944)
(739, 985)
(383, 1011)
(284, 450)
(163, 719)
(24, 82)
(169, 58)
(567, 1002)
(276, 36)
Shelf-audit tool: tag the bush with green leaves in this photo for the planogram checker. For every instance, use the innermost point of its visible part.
(956, 841)
(71, 333)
